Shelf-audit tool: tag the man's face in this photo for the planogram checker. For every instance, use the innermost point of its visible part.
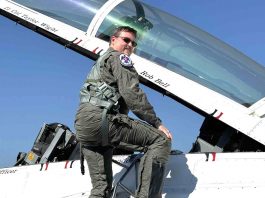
(123, 43)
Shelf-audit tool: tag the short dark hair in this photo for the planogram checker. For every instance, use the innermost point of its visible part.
(119, 29)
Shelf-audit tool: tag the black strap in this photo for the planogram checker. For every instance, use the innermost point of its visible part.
(82, 167)
(105, 128)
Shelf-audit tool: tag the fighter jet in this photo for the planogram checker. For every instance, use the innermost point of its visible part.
(174, 58)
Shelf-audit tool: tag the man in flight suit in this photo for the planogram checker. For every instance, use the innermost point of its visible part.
(109, 92)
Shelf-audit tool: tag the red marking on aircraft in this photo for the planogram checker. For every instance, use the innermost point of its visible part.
(47, 164)
(94, 51)
(78, 42)
(65, 166)
(214, 156)
(218, 117)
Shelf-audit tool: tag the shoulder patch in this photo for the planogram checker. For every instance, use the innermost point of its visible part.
(125, 60)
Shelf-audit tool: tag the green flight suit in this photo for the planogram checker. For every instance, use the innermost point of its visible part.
(118, 72)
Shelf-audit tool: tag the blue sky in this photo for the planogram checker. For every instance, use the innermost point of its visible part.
(40, 79)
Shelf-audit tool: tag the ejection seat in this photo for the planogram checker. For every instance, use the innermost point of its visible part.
(55, 142)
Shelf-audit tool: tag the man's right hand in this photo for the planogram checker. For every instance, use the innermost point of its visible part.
(165, 131)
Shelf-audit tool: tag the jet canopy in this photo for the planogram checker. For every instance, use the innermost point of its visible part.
(169, 42)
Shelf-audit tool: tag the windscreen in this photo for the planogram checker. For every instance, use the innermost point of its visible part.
(188, 51)
(77, 13)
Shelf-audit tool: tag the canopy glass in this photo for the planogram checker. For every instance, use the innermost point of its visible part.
(189, 51)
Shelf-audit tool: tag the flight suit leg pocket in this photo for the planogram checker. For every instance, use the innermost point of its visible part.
(122, 120)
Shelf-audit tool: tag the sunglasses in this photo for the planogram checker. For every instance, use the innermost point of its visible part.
(128, 40)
